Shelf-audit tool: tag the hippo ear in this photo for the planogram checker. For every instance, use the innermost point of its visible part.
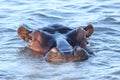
(89, 30)
(23, 33)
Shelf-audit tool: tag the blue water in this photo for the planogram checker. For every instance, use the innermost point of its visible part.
(104, 15)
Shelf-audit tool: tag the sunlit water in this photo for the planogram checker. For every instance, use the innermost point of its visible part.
(16, 64)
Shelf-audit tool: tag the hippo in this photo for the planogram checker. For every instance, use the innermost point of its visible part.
(59, 43)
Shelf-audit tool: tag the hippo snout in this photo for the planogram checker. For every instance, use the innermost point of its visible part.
(76, 54)
(65, 52)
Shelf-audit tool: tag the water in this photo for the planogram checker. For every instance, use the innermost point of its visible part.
(16, 64)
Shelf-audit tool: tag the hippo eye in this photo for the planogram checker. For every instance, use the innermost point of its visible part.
(30, 38)
(71, 42)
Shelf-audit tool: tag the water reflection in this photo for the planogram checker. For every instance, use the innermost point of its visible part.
(26, 52)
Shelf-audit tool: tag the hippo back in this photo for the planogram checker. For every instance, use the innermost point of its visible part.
(56, 28)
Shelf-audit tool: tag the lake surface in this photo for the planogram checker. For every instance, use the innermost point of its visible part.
(104, 15)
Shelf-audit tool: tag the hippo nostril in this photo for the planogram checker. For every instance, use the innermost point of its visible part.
(81, 53)
(54, 50)
(78, 48)
(30, 38)
(65, 53)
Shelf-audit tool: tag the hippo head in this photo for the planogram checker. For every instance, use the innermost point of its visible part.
(58, 47)
(37, 40)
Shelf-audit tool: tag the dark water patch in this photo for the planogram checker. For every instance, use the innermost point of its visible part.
(37, 76)
(8, 57)
(86, 6)
(3, 30)
(46, 18)
(10, 44)
(117, 72)
(18, 3)
(117, 3)
(108, 12)
(13, 2)
(9, 49)
(105, 60)
(6, 75)
(108, 30)
(102, 0)
(116, 23)
(3, 16)
(94, 9)
(108, 77)
(75, 78)
(5, 11)
(69, 6)
(109, 19)
(112, 6)
(40, 15)
(113, 33)
(105, 44)
(28, 12)
(58, 12)
(113, 16)
(102, 64)
(14, 39)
